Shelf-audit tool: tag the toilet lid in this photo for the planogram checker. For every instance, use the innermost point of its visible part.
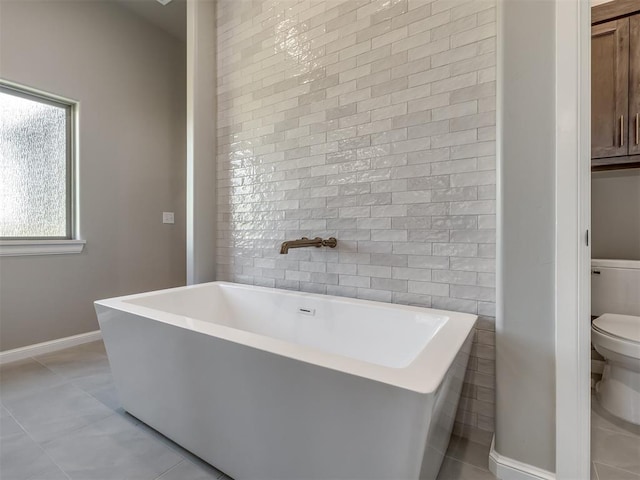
(623, 326)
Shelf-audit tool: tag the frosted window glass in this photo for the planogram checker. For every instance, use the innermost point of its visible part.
(33, 168)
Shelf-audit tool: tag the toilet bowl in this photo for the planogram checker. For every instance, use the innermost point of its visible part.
(617, 339)
(615, 334)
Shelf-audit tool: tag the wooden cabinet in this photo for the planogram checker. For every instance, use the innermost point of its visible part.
(609, 88)
(634, 85)
(615, 92)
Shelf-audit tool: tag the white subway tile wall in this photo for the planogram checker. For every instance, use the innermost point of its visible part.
(372, 121)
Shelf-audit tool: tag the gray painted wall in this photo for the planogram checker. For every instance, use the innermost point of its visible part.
(201, 142)
(615, 214)
(130, 80)
(525, 328)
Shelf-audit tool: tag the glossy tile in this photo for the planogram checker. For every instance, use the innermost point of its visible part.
(386, 100)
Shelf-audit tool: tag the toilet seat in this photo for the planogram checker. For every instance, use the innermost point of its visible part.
(617, 339)
(625, 327)
(617, 335)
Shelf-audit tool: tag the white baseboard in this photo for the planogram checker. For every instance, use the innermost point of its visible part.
(505, 468)
(21, 353)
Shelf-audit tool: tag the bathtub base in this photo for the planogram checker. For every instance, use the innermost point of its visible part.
(267, 384)
(256, 415)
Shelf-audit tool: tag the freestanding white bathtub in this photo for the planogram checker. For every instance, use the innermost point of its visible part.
(273, 385)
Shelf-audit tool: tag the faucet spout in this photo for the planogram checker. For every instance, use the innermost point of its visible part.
(306, 242)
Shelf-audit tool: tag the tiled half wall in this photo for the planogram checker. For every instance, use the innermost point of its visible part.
(372, 121)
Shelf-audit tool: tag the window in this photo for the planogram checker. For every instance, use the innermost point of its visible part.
(36, 166)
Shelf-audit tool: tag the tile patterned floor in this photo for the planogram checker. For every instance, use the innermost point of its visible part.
(615, 446)
(60, 419)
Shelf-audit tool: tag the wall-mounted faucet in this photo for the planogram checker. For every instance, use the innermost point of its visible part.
(305, 242)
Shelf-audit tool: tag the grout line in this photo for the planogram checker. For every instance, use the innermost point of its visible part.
(467, 442)
(159, 477)
(468, 465)
(18, 423)
(72, 381)
(45, 366)
(66, 381)
(486, 469)
(75, 430)
(41, 447)
(616, 467)
(619, 430)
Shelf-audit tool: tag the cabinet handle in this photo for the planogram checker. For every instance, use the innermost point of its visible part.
(622, 130)
(637, 128)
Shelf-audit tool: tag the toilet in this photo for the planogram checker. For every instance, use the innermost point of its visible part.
(615, 334)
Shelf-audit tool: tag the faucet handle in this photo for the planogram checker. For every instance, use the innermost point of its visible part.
(330, 242)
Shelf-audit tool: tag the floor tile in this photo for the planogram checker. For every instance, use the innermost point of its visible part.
(106, 394)
(466, 451)
(23, 459)
(94, 381)
(24, 378)
(97, 346)
(77, 363)
(606, 472)
(600, 418)
(187, 455)
(112, 448)
(454, 470)
(50, 473)
(187, 470)
(615, 449)
(8, 426)
(52, 412)
(68, 402)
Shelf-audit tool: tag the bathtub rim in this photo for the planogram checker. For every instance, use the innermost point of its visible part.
(423, 375)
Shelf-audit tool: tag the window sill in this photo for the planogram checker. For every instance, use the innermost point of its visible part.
(18, 248)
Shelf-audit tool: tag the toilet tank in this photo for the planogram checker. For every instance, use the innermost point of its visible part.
(615, 287)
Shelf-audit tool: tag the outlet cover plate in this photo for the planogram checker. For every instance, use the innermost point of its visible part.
(167, 217)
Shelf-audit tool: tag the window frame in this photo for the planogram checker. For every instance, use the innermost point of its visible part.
(71, 242)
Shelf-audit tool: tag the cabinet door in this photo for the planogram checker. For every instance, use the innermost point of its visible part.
(634, 85)
(610, 89)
